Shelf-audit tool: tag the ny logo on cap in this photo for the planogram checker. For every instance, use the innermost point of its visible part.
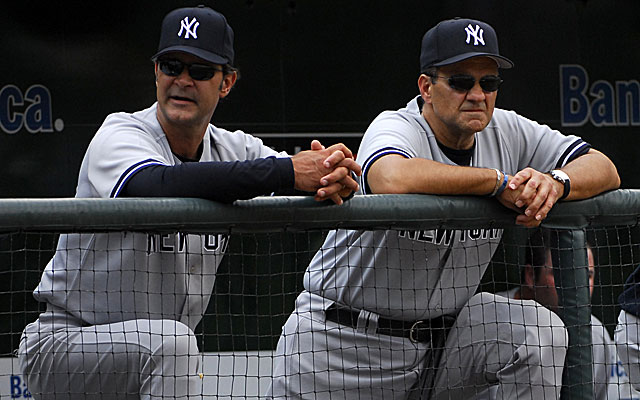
(190, 28)
(477, 33)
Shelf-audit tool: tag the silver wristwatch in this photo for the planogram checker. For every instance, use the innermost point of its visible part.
(563, 178)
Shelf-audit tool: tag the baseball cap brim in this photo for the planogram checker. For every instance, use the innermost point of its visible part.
(503, 62)
(205, 55)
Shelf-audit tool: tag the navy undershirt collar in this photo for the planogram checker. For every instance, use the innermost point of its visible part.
(460, 157)
(186, 159)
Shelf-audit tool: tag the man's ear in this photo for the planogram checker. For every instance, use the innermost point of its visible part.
(227, 83)
(424, 85)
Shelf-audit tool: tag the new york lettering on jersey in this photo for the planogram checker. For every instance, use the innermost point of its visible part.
(171, 243)
(445, 236)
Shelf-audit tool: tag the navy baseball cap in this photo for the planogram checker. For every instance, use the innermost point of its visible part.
(458, 39)
(200, 31)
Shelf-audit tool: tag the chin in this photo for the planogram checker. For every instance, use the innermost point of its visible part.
(477, 126)
(179, 114)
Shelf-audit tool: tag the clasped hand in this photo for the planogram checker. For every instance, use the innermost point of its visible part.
(326, 171)
(532, 194)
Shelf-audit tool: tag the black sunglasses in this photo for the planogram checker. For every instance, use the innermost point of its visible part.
(199, 72)
(464, 83)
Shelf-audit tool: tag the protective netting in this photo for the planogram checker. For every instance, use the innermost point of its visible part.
(129, 314)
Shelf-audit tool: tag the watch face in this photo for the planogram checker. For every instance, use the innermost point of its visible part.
(563, 178)
(556, 176)
(560, 176)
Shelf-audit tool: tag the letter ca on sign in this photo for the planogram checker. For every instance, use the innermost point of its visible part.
(602, 103)
(30, 110)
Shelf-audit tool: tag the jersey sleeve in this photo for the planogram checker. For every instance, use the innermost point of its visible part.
(238, 145)
(389, 133)
(120, 148)
(539, 146)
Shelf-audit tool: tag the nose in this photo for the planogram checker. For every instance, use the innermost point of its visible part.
(476, 93)
(184, 79)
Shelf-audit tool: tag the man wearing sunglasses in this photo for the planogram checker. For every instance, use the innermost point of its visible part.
(121, 308)
(373, 319)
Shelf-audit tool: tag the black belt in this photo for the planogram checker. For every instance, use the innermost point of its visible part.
(418, 331)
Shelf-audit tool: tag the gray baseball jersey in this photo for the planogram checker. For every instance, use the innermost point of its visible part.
(425, 274)
(111, 277)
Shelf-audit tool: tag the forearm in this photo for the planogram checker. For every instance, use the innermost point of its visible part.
(396, 174)
(537, 192)
(219, 181)
(591, 174)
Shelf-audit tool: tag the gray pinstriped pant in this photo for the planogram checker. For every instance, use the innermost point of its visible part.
(490, 344)
(136, 359)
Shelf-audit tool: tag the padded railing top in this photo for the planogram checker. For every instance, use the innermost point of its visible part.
(265, 214)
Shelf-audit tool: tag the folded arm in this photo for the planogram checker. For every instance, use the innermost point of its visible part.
(223, 181)
(532, 193)
(325, 172)
(394, 173)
